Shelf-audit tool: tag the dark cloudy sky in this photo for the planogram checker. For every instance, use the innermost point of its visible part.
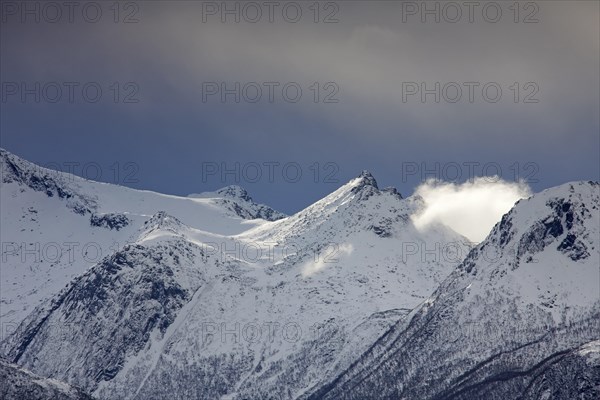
(362, 62)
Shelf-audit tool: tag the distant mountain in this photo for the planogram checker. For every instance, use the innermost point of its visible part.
(214, 296)
(191, 308)
(518, 319)
(54, 226)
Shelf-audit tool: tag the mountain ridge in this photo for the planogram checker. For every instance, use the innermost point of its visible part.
(345, 299)
(516, 328)
(321, 265)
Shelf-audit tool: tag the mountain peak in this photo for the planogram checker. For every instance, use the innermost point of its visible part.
(366, 183)
(368, 178)
(14, 169)
(558, 218)
(234, 191)
(236, 199)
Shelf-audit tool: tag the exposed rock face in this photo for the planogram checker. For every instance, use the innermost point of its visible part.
(108, 313)
(111, 221)
(19, 384)
(52, 183)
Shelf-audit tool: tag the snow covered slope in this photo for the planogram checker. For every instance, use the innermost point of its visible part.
(519, 318)
(214, 296)
(54, 226)
(270, 310)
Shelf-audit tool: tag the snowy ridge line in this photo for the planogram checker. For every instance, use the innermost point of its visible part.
(342, 297)
(40, 257)
(487, 331)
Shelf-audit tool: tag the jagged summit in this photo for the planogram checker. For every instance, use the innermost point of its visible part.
(537, 221)
(5, 155)
(365, 185)
(14, 169)
(367, 179)
(561, 221)
(237, 200)
(234, 191)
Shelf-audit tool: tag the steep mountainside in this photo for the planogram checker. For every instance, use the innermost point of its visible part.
(19, 384)
(519, 318)
(274, 309)
(214, 296)
(54, 226)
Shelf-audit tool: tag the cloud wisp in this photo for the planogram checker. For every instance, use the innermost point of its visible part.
(470, 208)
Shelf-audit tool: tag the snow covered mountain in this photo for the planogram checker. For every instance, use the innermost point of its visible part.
(54, 226)
(518, 319)
(213, 296)
(231, 308)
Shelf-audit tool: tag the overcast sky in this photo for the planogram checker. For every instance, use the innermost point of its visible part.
(361, 69)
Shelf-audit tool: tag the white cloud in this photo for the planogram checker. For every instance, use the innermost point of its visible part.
(471, 208)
